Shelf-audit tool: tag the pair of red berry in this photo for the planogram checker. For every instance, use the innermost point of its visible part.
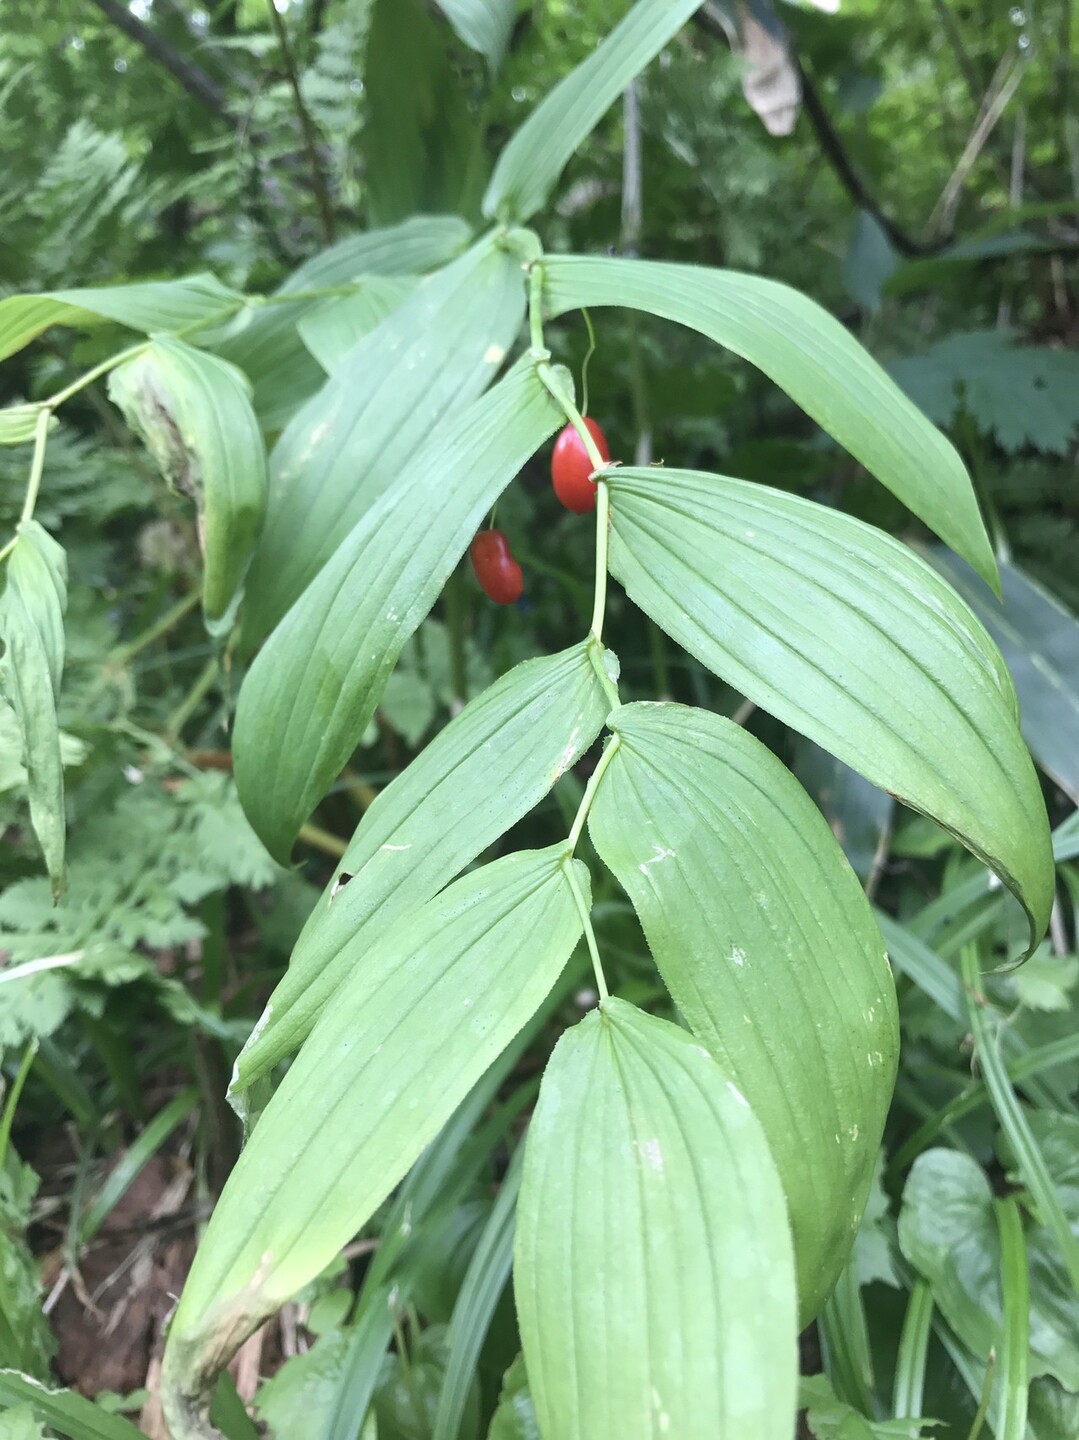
(571, 468)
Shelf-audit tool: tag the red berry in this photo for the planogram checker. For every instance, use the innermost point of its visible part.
(571, 467)
(497, 571)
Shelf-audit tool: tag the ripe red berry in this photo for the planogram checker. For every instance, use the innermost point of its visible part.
(571, 467)
(497, 571)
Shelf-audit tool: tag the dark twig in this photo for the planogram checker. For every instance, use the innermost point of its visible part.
(310, 140)
(191, 76)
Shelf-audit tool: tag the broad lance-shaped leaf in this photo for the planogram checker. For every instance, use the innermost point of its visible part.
(529, 167)
(852, 639)
(193, 411)
(431, 1005)
(485, 25)
(311, 691)
(334, 328)
(265, 343)
(767, 944)
(437, 351)
(815, 360)
(32, 628)
(156, 306)
(653, 1270)
(479, 776)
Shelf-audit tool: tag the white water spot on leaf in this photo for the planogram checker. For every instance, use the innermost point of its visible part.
(396, 847)
(738, 956)
(653, 1154)
(853, 1132)
(494, 355)
(661, 853)
(733, 1088)
(565, 760)
(875, 1058)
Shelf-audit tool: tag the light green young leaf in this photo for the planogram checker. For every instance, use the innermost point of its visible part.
(815, 360)
(65, 1411)
(333, 328)
(484, 25)
(156, 306)
(515, 1418)
(829, 1418)
(768, 946)
(503, 752)
(266, 345)
(32, 628)
(529, 167)
(849, 637)
(193, 411)
(431, 1005)
(310, 693)
(18, 424)
(650, 1216)
(436, 352)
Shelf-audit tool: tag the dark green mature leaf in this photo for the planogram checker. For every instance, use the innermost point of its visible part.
(266, 345)
(429, 1008)
(529, 167)
(767, 944)
(32, 628)
(437, 351)
(156, 306)
(310, 693)
(65, 1411)
(193, 410)
(1039, 640)
(849, 637)
(485, 25)
(948, 1232)
(650, 1216)
(479, 776)
(814, 359)
(335, 327)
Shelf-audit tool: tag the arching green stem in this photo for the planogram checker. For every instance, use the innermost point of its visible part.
(589, 933)
(590, 790)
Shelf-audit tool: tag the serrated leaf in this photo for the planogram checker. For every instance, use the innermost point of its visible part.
(765, 940)
(852, 639)
(193, 412)
(65, 1411)
(484, 25)
(504, 751)
(32, 627)
(157, 305)
(815, 360)
(437, 351)
(431, 1005)
(311, 691)
(334, 328)
(649, 1212)
(530, 165)
(267, 347)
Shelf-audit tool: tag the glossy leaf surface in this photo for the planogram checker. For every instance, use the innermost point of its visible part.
(438, 350)
(815, 360)
(311, 691)
(503, 752)
(766, 942)
(650, 1215)
(430, 1007)
(849, 637)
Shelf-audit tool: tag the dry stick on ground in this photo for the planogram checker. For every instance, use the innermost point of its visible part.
(1005, 82)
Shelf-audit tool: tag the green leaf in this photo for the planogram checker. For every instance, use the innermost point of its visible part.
(193, 411)
(766, 942)
(422, 146)
(156, 306)
(515, 1418)
(484, 25)
(503, 752)
(1012, 1378)
(32, 627)
(1039, 639)
(349, 445)
(265, 343)
(310, 693)
(65, 1411)
(432, 1004)
(333, 328)
(529, 167)
(815, 360)
(948, 1232)
(849, 637)
(18, 424)
(829, 1418)
(650, 1210)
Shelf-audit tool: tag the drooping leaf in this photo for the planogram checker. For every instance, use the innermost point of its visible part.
(193, 411)
(503, 752)
(311, 691)
(529, 167)
(814, 359)
(852, 639)
(653, 1270)
(266, 345)
(156, 306)
(429, 1008)
(437, 351)
(484, 25)
(32, 628)
(335, 327)
(768, 946)
(1039, 639)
